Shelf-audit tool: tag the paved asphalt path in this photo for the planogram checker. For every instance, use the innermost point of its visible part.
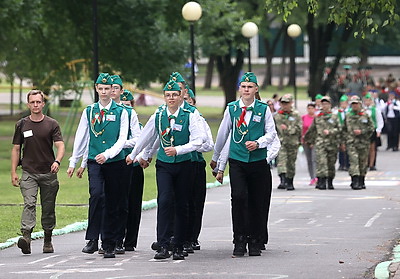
(338, 233)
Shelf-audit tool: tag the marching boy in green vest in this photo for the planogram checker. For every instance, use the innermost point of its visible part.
(103, 131)
(179, 134)
(252, 128)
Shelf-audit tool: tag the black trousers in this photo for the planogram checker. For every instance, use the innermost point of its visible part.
(126, 172)
(393, 132)
(135, 197)
(96, 201)
(172, 199)
(250, 199)
(106, 175)
(198, 198)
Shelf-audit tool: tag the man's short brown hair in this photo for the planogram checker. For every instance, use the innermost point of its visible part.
(34, 92)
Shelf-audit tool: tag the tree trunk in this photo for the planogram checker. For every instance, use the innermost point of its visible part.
(229, 74)
(319, 39)
(209, 72)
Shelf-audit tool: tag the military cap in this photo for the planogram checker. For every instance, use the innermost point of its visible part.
(116, 79)
(355, 100)
(191, 94)
(104, 78)
(326, 99)
(126, 96)
(287, 98)
(177, 77)
(249, 77)
(318, 97)
(172, 86)
(344, 98)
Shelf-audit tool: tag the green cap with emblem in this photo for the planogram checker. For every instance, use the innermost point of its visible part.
(287, 98)
(249, 77)
(177, 77)
(344, 98)
(172, 86)
(191, 94)
(368, 95)
(116, 79)
(318, 97)
(104, 78)
(126, 96)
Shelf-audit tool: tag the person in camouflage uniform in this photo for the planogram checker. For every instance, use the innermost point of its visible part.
(323, 134)
(288, 125)
(357, 131)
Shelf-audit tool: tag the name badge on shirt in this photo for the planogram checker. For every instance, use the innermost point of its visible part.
(291, 118)
(110, 117)
(28, 134)
(177, 127)
(256, 118)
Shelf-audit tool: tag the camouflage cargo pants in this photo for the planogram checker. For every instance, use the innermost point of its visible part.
(287, 160)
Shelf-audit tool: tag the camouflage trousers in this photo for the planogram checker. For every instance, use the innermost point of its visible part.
(287, 160)
(326, 159)
(358, 157)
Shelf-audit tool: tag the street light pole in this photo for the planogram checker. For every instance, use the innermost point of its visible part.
(249, 30)
(294, 31)
(95, 48)
(191, 12)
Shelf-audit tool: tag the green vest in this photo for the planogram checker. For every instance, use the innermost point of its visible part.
(104, 134)
(179, 134)
(250, 132)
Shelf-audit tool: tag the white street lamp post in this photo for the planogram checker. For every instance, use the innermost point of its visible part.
(293, 31)
(249, 30)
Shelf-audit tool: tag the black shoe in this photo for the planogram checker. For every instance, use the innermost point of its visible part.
(178, 255)
(373, 168)
(162, 254)
(129, 248)
(119, 249)
(289, 184)
(101, 250)
(188, 248)
(239, 249)
(155, 246)
(91, 247)
(395, 149)
(263, 247)
(196, 245)
(109, 253)
(254, 249)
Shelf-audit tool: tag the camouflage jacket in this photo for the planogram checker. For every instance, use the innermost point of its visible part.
(315, 134)
(291, 136)
(355, 121)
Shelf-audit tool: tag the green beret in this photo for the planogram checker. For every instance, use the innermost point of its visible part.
(116, 79)
(368, 95)
(104, 78)
(318, 97)
(249, 77)
(191, 94)
(344, 98)
(126, 96)
(171, 86)
(177, 77)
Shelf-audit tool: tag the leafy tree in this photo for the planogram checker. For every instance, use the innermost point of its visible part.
(357, 17)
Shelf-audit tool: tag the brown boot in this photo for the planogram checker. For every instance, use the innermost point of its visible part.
(24, 242)
(47, 246)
